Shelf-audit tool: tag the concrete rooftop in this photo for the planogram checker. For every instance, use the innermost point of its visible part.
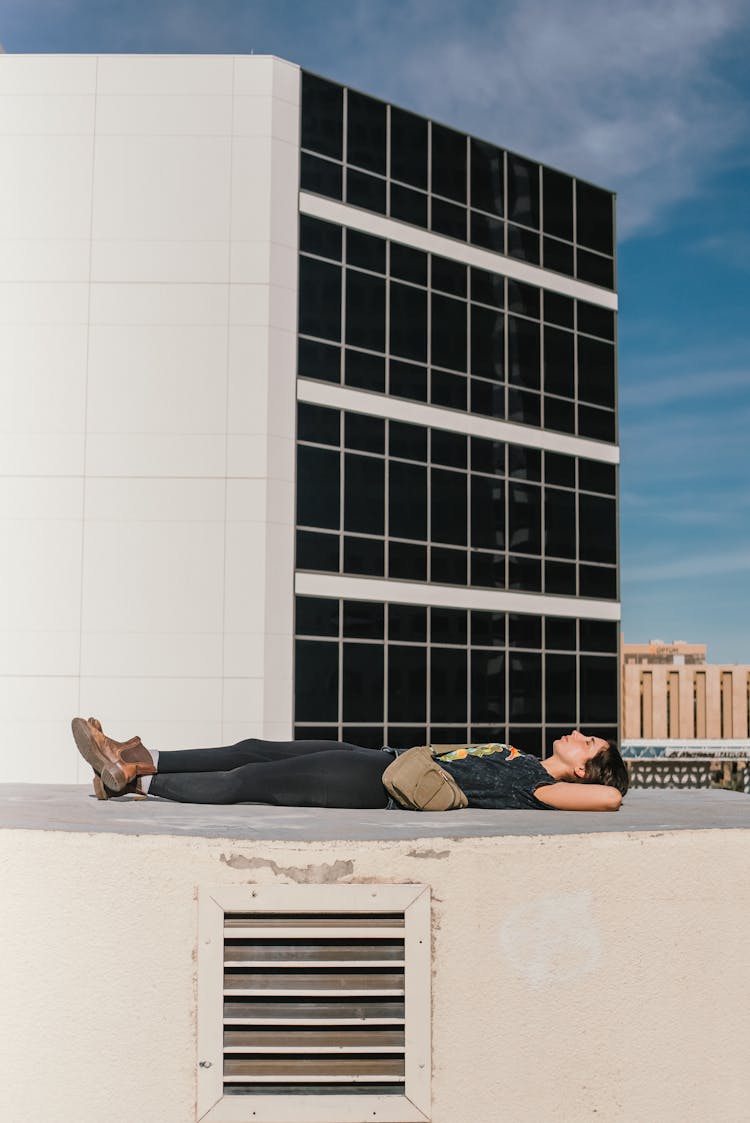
(71, 807)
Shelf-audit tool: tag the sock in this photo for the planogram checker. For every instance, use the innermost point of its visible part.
(144, 783)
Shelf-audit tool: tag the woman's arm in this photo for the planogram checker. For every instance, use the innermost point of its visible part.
(579, 797)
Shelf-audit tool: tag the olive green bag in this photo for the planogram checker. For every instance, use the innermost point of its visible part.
(417, 782)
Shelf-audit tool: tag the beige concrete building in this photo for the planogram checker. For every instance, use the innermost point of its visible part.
(670, 691)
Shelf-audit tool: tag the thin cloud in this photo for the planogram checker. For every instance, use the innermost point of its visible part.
(666, 390)
(688, 568)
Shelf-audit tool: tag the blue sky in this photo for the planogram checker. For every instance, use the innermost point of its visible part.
(649, 98)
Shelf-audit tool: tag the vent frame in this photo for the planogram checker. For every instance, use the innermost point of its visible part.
(412, 902)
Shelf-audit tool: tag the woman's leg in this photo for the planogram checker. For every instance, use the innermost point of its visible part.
(330, 778)
(251, 751)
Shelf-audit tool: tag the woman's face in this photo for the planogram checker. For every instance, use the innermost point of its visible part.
(576, 749)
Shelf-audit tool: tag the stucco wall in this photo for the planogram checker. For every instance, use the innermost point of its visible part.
(579, 977)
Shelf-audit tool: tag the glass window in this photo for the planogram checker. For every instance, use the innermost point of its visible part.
(486, 177)
(560, 578)
(595, 476)
(560, 688)
(597, 529)
(319, 361)
(364, 371)
(525, 686)
(320, 238)
(448, 506)
(558, 309)
(407, 684)
(558, 204)
(487, 570)
(447, 684)
(487, 398)
(408, 381)
(408, 264)
(448, 448)
(404, 737)
(487, 686)
(365, 556)
(598, 689)
(407, 501)
(364, 494)
(316, 681)
(317, 616)
(523, 191)
(448, 219)
(407, 562)
(596, 371)
(594, 226)
(318, 424)
(448, 332)
(557, 256)
(365, 132)
(599, 635)
(595, 269)
(449, 163)
(559, 362)
(448, 390)
(408, 148)
(559, 523)
(487, 456)
(448, 276)
(447, 567)
(524, 518)
(524, 463)
(408, 328)
(364, 433)
(524, 573)
(486, 342)
(523, 352)
(365, 252)
(317, 551)
(448, 625)
(560, 633)
(317, 487)
(362, 682)
(368, 737)
(598, 581)
(408, 205)
(322, 116)
(523, 299)
(524, 407)
(594, 320)
(487, 629)
(489, 233)
(365, 310)
(524, 630)
(487, 513)
(363, 619)
(319, 299)
(523, 244)
(408, 441)
(322, 177)
(559, 415)
(367, 191)
(407, 623)
(487, 288)
(560, 469)
(599, 424)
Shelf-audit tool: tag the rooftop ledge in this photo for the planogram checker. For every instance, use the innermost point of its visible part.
(73, 808)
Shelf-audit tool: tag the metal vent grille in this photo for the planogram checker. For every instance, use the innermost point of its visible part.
(314, 1004)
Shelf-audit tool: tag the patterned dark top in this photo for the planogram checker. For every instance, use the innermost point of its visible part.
(497, 776)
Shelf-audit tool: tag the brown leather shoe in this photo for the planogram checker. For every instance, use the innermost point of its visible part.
(101, 791)
(123, 761)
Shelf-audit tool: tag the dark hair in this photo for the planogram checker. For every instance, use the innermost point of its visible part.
(608, 767)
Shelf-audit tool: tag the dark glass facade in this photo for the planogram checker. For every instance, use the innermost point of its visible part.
(380, 316)
(405, 502)
(381, 158)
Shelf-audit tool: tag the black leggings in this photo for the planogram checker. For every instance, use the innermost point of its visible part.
(289, 773)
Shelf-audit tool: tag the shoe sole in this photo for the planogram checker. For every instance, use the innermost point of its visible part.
(99, 789)
(87, 746)
(113, 776)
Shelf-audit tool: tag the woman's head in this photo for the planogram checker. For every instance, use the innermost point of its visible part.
(588, 759)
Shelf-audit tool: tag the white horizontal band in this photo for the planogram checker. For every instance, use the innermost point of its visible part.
(383, 227)
(380, 405)
(489, 600)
